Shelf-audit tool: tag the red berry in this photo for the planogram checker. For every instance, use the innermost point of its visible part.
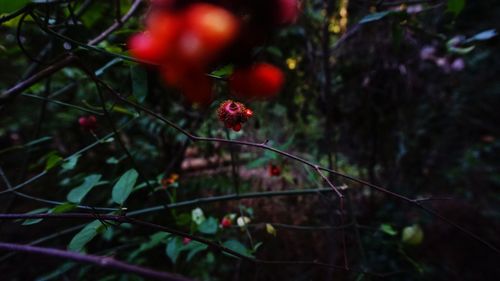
(261, 80)
(226, 222)
(88, 122)
(274, 171)
(237, 127)
(186, 240)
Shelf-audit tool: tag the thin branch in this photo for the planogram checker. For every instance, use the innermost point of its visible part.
(213, 199)
(264, 146)
(25, 84)
(101, 261)
(45, 172)
(63, 104)
(211, 244)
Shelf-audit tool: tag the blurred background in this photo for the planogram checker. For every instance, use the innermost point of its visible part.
(402, 94)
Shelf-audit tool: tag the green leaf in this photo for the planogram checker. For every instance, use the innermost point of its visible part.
(124, 186)
(63, 208)
(237, 247)
(70, 163)
(456, 6)
(84, 236)
(224, 71)
(194, 247)
(9, 6)
(53, 159)
(139, 82)
(388, 229)
(77, 194)
(112, 161)
(376, 16)
(37, 141)
(154, 241)
(183, 219)
(209, 226)
(174, 248)
(34, 221)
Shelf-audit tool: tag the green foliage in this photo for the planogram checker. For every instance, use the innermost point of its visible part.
(209, 226)
(456, 6)
(139, 82)
(124, 186)
(85, 236)
(388, 229)
(9, 6)
(77, 194)
(238, 247)
(36, 211)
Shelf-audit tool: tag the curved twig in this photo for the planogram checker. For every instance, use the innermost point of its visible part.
(101, 261)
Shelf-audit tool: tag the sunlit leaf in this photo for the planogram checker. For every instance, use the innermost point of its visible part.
(388, 229)
(53, 160)
(412, 235)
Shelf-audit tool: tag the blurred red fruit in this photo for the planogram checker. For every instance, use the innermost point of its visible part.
(226, 222)
(197, 88)
(146, 47)
(274, 171)
(261, 80)
(165, 27)
(287, 11)
(186, 240)
(237, 127)
(215, 26)
(88, 122)
(207, 30)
